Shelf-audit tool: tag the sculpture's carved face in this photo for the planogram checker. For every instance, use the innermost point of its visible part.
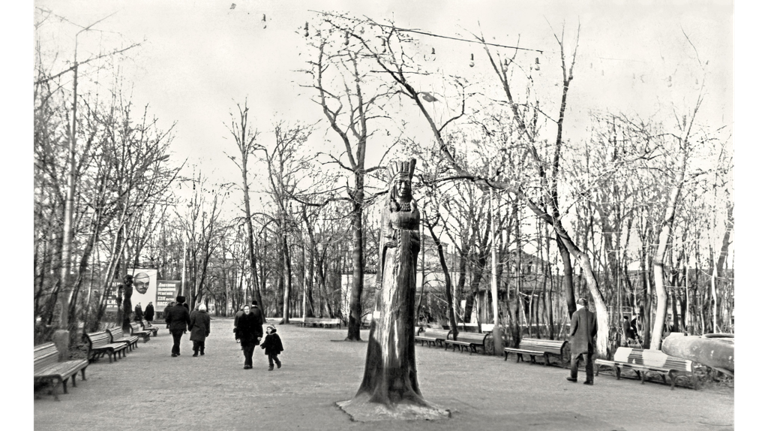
(403, 189)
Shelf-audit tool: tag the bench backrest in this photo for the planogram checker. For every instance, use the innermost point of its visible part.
(651, 358)
(45, 355)
(549, 346)
(116, 333)
(438, 334)
(98, 339)
(471, 337)
(135, 327)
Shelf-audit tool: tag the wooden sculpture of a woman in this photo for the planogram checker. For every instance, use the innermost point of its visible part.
(390, 388)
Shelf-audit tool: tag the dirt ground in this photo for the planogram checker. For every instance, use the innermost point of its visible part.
(149, 389)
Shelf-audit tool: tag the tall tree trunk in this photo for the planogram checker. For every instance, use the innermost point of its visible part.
(658, 259)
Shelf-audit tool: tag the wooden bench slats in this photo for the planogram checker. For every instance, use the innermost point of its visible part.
(117, 336)
(99, 345)
(643, 361)
(534, 347)
(138, 331)
(433, 336)
(48, 367)
(149, 327)
(314, 321)
(468, 340)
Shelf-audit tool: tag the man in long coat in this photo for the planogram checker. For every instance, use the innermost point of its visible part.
(149, 312)
(249, 332)
(200, 327)
(178, 321)
(582, 340)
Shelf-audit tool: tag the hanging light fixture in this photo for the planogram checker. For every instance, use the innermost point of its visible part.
(306, 29)
(537, 64)
(433, 50)
(471, 60)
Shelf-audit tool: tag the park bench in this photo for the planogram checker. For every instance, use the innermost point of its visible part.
(433, 336)
(149, 327)
(467, 340)
(318, 321)
(48, 368)
(119, 337)
(644, 361)
(99, 345)
(138, 331)
(534, 347)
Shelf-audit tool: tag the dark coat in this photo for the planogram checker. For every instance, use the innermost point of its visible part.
(149, 312)
(272, 344)
(625, 327)
(249, 329)
(583, 331)
(199, 325)
(177, 318)
(137, 313)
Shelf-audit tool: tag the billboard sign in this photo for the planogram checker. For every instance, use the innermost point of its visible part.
(144, 289)
(166, 293)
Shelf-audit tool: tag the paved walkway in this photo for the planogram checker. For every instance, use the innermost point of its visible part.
(151, 390)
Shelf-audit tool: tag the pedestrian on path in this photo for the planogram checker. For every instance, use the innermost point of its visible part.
(626, 331)
(272, 346)
(178, 321)
(249, 333)
(149, 312)
(200, 327)
(582, 340)
(137, 313)
(238, 315)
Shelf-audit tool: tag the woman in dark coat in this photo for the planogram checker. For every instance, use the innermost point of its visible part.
(200, 327)
(149, 312)
(137, 313)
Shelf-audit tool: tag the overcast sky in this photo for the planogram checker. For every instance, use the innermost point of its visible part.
(198, 58)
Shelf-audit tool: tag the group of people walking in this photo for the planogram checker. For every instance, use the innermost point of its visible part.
(248, 331)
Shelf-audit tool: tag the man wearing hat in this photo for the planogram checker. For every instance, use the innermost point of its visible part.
(582, 340)
(178, 321)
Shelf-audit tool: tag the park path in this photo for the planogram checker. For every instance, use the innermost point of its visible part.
(148, 389)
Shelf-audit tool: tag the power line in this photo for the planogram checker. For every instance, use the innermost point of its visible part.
(426, 33)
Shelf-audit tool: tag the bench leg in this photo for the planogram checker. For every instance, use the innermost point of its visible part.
(64, 384)
(74, 378)
(533, 359)
(83, 372)
(642, 377)
(617, 369)
(54, 384)
(505, 355)
(546, 359)
(519, 357)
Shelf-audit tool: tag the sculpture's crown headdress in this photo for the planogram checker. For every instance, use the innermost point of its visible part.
(402, 170)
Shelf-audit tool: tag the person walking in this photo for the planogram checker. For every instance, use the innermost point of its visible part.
(626, 331)
(237, 318)
(272, 346)
(200, 327)
(137, 313)
(178, 321)
(166, 311)
(249, 333)
(149, 312)
(582, 340)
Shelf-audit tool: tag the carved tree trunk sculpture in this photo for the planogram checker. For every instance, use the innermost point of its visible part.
(390, 387)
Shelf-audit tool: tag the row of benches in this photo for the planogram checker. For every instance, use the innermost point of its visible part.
(318, 321)
(642, 362)
(112, 342)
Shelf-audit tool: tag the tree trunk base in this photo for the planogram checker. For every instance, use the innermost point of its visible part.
(360, 409)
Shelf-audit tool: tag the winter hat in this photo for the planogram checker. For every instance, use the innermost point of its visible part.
(180, 299)
(201, 307)
(271, 329)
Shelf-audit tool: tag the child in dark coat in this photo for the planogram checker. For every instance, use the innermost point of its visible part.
(272, 347)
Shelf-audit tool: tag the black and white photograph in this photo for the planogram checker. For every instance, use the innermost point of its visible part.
(408, 215)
